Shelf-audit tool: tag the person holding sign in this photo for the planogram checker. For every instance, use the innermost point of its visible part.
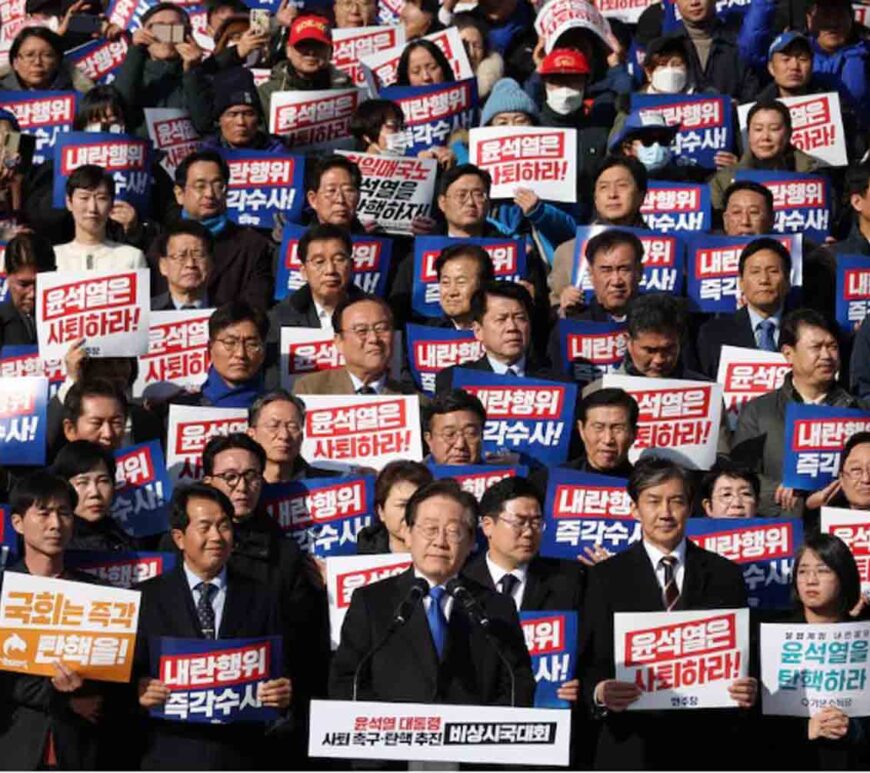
(48, 722)
(764, 271)
(185, 249)
(809, 343)
(443, 653)
(204, 598)
(662, 572)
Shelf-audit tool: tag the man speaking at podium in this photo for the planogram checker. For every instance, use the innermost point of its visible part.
(427, 636)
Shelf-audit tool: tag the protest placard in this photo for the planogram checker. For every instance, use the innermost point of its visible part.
(558, 16)
(671, 207)
(814, 440)
(23, 419)
(100, 59)
(853, 527)
(262, 185)
(91, 628)
(351, 44)
(45, 114)
(216, 681)
(590, 349)
(746, 374)
(805, 668)
(142, 490)
(628, 11)
(551, 638)
(477, 478)
(853, 291)
(313, 119)
(120, 568)
(18, 361)
(678, 418)
(361, 430)
(542, 159)
(682, 659)
(109, 309)
(190, 428)
(171, 131)
(431, 349)
(764, 548)
(345, 574)
(307, 350)
(323, 515)
(529, 416)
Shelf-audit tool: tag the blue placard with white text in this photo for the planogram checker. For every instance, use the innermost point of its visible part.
(120, 568)
(143, 489)
(853, 290)
(551, 638)
(263, 184)
(23, 416)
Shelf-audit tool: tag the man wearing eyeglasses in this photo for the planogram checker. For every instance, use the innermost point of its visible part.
(364, 338)
(242, 257)
(185, 251)
(453, 424)
(440, 655)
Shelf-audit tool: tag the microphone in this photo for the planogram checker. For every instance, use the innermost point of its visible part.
(419, 588)
(473, 609)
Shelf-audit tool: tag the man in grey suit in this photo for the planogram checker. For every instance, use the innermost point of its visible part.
(364, 337)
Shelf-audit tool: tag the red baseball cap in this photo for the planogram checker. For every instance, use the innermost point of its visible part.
(564, 61)
(310, 27)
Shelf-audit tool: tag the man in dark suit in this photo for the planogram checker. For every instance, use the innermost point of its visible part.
(48, 722)
(662, 572)
(461, 269)
(26, 255)
(453, 428)
(764, 281)
(502, 321)
(204, 598)
(440, 654)
(185, 260)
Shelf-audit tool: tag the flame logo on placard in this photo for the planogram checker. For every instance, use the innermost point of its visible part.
(14, 643)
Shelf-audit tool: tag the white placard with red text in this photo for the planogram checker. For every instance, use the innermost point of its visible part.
(190, 428)
(817, 126)
(682, 659)
(313, 119)
(344, 431)
(171, 130)
(542, 159)
(109, 309)
(748, 373)
(344, 574)
(351, 44)
(559, 16)
(853, 527)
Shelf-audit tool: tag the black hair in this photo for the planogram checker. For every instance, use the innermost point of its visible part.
(728, 469)
(81, 456)
(39, 487)
(200, 156)
(73, 403)
(44, 34)
(321, 232)
(275, 396)
(155, 9)
(185, 228)
(835, 554)
(178, 516)
(234, 312)
(789, 330)
(499, 494)
(450, 402)
(346, 303)
(90, 177)
(652, 471)
(776, 107)
(609, 397)
(499, 289)
(436, 53)
(29, 250)
(610, 239)
(765, 243)
(748, 185)
(454, 251)
(657, 313)
(211, 7)
(220, 443)
(400, 471)
(855, 440)
(94, 104)
(857, 180)
(635, 168)
(446, 487)
(466, 20)
(369, 118)
(454, 173)
(321, 167)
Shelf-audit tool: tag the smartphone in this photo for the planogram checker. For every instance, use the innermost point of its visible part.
(85, 24)
(168, 33)
(260, 21)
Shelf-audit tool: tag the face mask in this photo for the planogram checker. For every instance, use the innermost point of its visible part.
(564, 100)
(654, 157)
(112, 128)
(669, 80)
(397, 144)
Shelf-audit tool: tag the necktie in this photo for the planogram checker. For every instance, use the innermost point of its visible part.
(508, 583)
(437, 620)
(30, 325)
(187, 306)
(512, 372)
(204, 609)
(766, 340)
(671, 592)
(366, 390)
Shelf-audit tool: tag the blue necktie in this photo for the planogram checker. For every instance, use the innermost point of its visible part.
(437, 620)
(766, 341)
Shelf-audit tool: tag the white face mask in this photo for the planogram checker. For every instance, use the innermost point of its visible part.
(397, 144)
(112, 128)
(564, 100)
(669, 80)
(654, 157)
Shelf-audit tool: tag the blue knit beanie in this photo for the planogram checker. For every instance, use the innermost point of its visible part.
(507, 97)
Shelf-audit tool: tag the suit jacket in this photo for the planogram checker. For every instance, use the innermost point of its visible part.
(13, 331)
(338, 382)
(627, 583)
(732, 330)
(163, 302)
(406, 667)
(168, 609)
(298, 310)
(551, 583)
(444, 379)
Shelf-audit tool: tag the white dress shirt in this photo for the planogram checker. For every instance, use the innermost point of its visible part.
(498, 574)
(446, 599)
(378, 385)
(655, 557)
(107, 256)
(219, 598)
(324, 316)
(519, 367)
(755, 319)
(200, 303)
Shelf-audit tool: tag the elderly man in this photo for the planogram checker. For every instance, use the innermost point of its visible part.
(453, 423)
(441, 654)
(186, 262)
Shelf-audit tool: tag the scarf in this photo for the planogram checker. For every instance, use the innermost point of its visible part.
(215, 223)
(222, 395)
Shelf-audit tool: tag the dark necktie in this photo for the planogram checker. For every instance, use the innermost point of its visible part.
(766, 341)
(671, 592)
(30, 326)
(437, 619)
(187, 307)
(366, 390)
(204, 609)
(508, 583)
(512, 372)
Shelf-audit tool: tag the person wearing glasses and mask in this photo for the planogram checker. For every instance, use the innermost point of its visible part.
(242, 257)
(364, 338)
(186, 263)
(237, 349)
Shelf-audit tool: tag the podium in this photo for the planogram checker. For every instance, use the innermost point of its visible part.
(439, 733)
